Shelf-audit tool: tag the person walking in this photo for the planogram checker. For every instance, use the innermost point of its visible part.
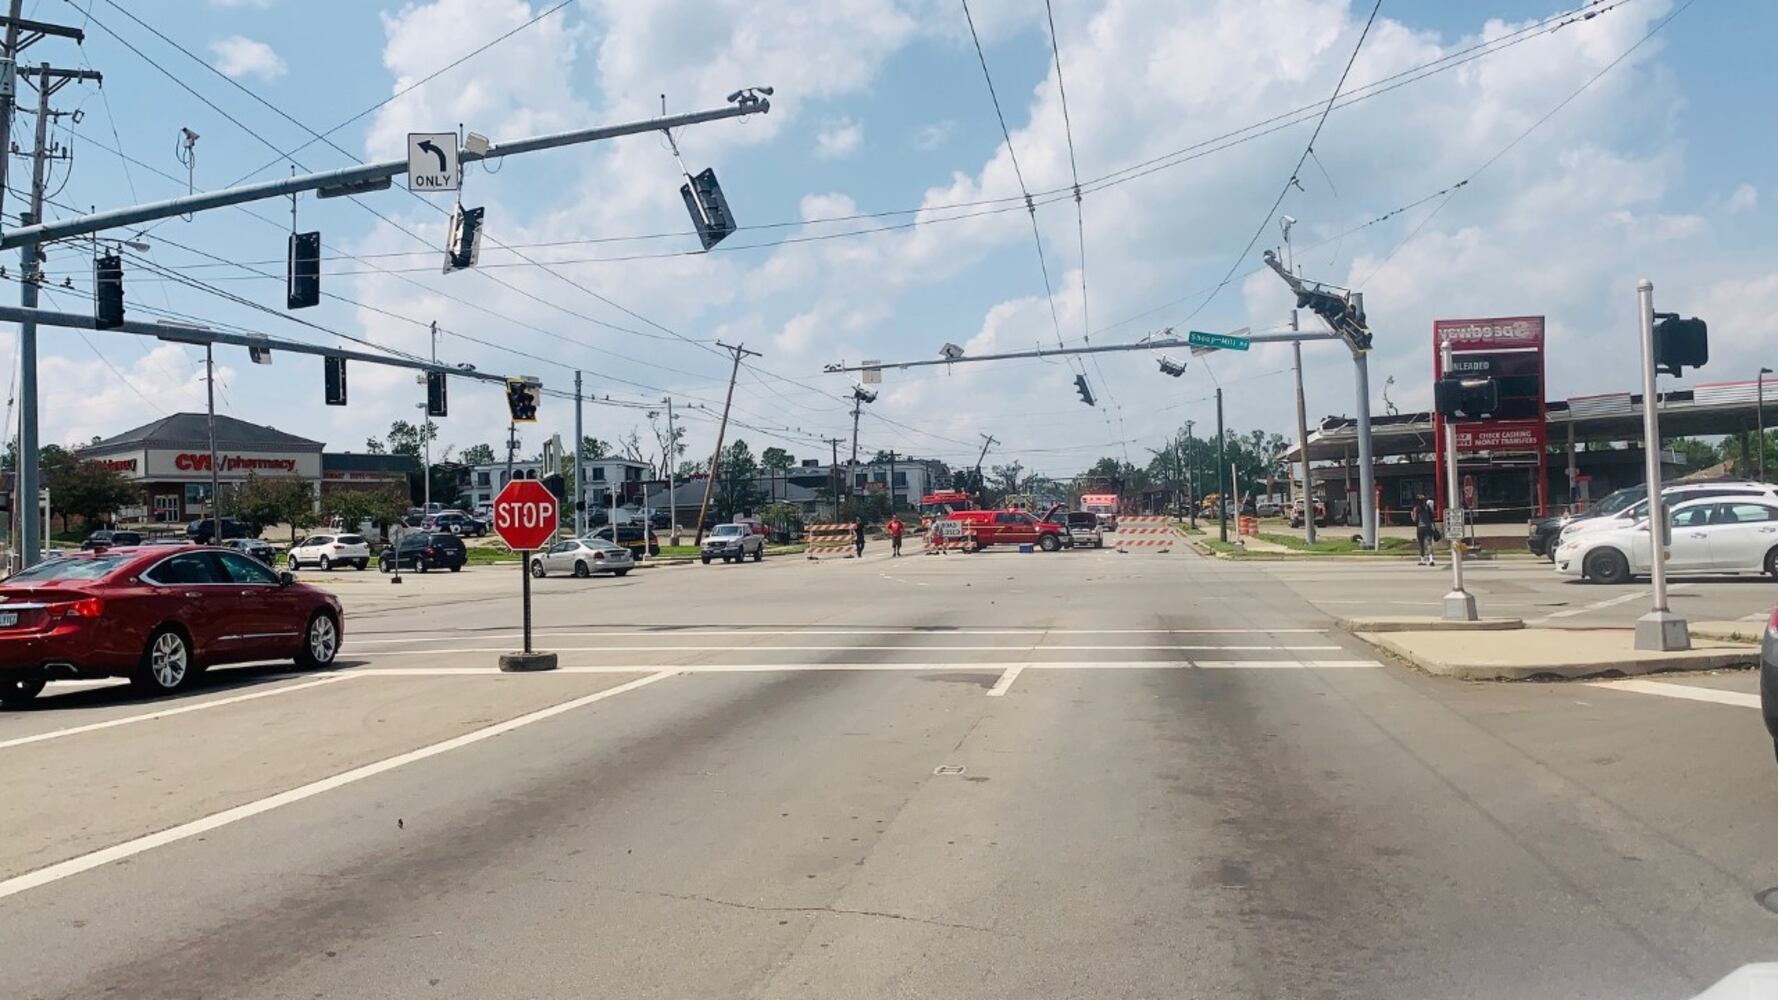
(1425, 531)
(895, 529)
(858, 537)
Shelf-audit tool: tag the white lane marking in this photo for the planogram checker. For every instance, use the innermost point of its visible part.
(1757, 616)
(1683, 691)
(1000, 686)
(131, 848)
(667, 632)
(966, 667)
(1595, 606)
(831, 649)
(167, 712)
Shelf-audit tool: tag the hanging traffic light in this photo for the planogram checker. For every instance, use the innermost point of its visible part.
(1680, 343)
(336, 380)
(436, 402)
(108, 292)
(302, 275)
(708, 208)
(521, 400)
(1465, 398)
(463, 248)
(1086, 392)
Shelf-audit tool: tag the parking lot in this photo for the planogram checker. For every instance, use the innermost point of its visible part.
(959, 775)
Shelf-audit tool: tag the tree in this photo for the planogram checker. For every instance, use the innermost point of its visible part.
(382, 507)
(477, 454)
(592, 449)
(1007, 479)
(884, 457)
(691, 470)
(410, 440)
(375, 447)
(777, 459)
(671, 446)
(632, 445)
(737, 492)
(266, 501)
(88, 489)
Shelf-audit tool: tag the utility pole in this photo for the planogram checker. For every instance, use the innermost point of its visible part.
(672, 498)
(892, 482)
(739, 351)
(215, 460)
(512, 445)
(1222, 493)
(580, 471)
(426, 428)
(987, 441)
(1305, 500)
(1191, 476)
(833, 477)
(31, 275)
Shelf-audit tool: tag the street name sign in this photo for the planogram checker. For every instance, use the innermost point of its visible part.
(1217, 341)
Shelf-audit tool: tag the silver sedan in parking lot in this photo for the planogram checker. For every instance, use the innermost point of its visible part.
(583, 557)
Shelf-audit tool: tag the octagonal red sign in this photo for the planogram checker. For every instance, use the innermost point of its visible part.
(525, 514)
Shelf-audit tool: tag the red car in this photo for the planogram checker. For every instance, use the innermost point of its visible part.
(158, 616)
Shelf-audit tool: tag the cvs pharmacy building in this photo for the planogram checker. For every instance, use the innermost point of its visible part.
(170, 460)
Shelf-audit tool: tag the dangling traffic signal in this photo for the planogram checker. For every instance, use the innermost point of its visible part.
(436, 403)
(708, 208)
(1680, 343)
(108, 292)
(1465, 398)
(335, 379)
(521, 400)
(1344, 314)
(463, 248)
(1086, 392)
(302, 275)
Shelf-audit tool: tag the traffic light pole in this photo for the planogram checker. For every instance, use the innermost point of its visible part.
(1306, 500)
(1659, 629)
(1222, 491)
(580, 470)
(1367, 475)
(1459, 603)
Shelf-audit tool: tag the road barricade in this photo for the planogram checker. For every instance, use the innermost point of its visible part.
(830, 540)
(1144, 534)
(945, 536)
(1247, 525)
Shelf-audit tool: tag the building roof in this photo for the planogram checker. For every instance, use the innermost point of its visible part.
(352, 461)
(192, 430)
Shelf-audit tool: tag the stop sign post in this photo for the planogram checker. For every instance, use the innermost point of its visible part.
(525, 518)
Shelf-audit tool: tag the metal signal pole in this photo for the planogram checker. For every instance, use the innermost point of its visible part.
(1222, 491)
(739, 351)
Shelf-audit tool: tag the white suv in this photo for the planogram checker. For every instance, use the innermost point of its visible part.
(1670, 495)
(327, 551)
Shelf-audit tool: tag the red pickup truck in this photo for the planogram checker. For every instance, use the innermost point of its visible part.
(1010, 527)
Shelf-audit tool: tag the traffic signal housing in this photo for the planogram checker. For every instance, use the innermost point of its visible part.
(1344, 314)
(1086, 391)
(708, 208)
(463, 248)
(302, 275)
(1680, 343)
(1465, 398)
(108, 292)
(521, 400)
(335, 380)
(437, 404)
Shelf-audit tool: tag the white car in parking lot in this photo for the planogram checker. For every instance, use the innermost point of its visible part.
(1722, 534)
(1671, 496)
(328, 551)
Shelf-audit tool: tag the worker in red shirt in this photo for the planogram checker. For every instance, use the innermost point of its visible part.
(894, 527)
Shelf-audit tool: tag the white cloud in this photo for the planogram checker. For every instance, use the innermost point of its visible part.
(107, 404)
(237, 56)
(929, 137)
(839, 139)
(1744, 199)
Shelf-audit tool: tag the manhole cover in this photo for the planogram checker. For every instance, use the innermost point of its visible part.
(948, 769)
(1767, 898)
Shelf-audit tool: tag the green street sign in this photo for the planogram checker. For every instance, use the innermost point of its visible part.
(1220, 341)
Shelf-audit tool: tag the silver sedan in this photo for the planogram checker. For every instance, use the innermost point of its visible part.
(583, 557)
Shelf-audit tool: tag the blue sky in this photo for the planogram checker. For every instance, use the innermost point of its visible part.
(1656, 170)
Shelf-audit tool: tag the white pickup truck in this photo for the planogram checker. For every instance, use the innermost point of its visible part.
(1084, 531)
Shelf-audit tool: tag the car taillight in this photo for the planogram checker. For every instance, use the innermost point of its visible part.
(89, 607)
(597, 556)
(1773, 624)
(429, 550)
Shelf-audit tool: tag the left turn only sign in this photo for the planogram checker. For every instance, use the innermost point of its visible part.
(432, 163)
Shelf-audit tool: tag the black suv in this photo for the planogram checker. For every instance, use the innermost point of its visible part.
(110, 539)
(1545, 532)
(631, 536)
(202, 532)
(422, 551)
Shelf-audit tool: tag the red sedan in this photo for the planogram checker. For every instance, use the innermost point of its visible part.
(158, 616)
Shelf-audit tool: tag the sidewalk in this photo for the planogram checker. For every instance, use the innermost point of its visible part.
(1525, 653)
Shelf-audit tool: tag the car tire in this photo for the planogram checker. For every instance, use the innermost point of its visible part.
(580, 570)
(167, 664)
(759, 553)
(1772, 563)
(537, 568)
(321, 642)
(706, 559)
(17, 691)
(1606, 566)
(620, 572)
(361, 564)
(292, 564)
(1099, 544)
(1048, 543)
(457, 568)
(384, 565)
(324, 564)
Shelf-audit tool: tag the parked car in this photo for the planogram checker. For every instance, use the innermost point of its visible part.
(661, 519)
(106, 538)
(1083, 529)
(327, 551)
(424, 550)
(1010, 527)
(458, 523)
(1670, 496)
(1768, 678)
(204, 531)
(635, 537)
(158, 616)
(1296, 514)
(257, 548)
(1544, 533)
(583, 557)
(1732, 534)
(1268, 508)
(732, 543)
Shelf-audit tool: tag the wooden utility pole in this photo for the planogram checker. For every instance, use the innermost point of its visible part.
(739, 351)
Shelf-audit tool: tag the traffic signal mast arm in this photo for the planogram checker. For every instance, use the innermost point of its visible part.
(1164, 341)
(1343, 313)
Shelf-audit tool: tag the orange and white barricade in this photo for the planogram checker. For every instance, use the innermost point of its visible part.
(830, 541)
(1144, 534)
(944, 536)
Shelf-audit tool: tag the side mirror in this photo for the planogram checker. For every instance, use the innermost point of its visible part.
(286, 578)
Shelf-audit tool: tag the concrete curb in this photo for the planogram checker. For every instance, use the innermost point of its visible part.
(513, 663)
(1627, 666)
(1747, 632)
(1429, 623)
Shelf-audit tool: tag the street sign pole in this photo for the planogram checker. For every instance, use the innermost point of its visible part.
(1660, 629)
(1459, 603)
(524, 600)
(525, 517)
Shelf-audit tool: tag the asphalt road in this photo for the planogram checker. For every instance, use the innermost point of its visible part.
(1072, 775)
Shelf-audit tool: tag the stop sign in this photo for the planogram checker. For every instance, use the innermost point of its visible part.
(525, 515)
